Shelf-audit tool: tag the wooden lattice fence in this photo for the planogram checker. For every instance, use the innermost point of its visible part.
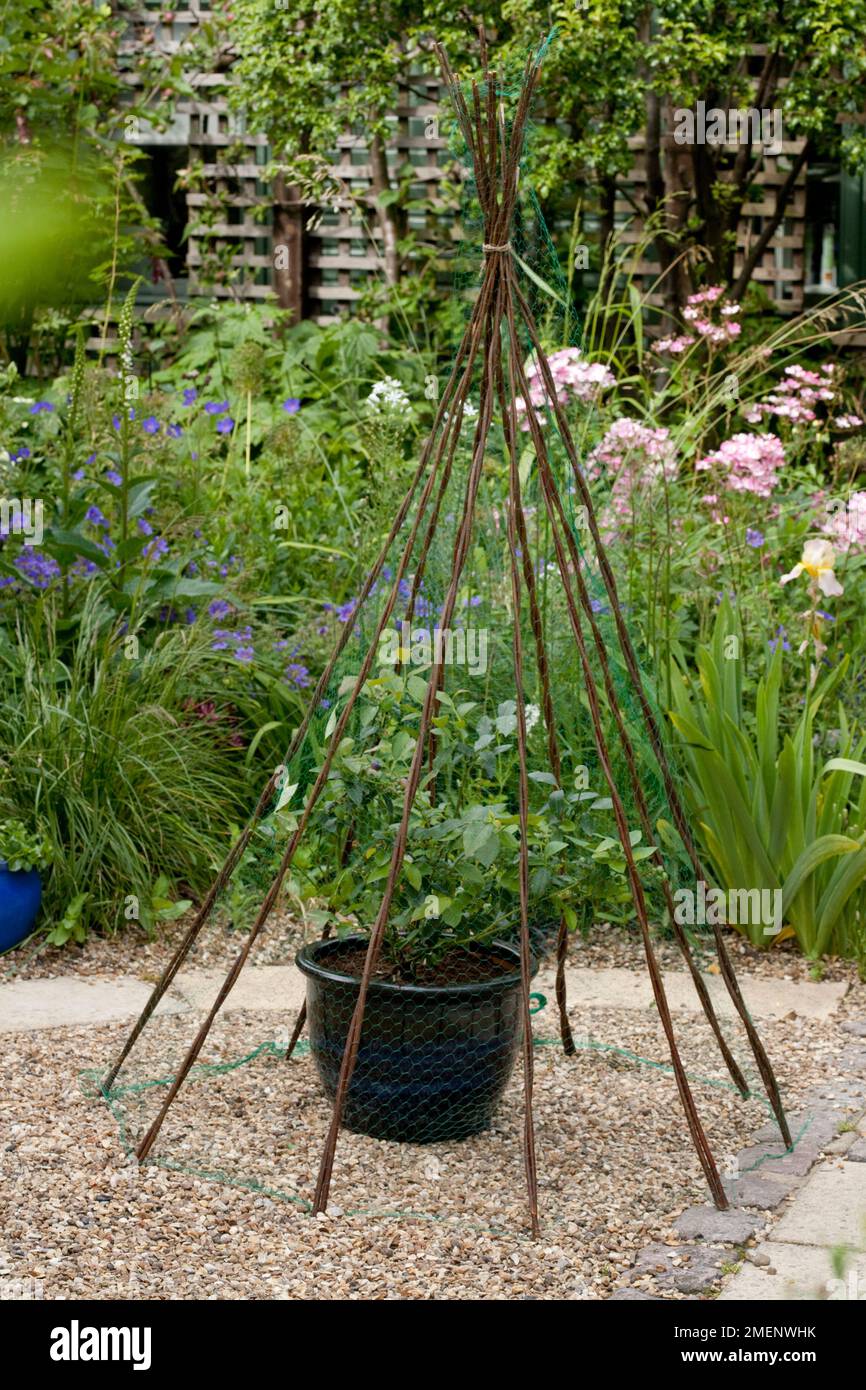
(249, 240)
(781, 269)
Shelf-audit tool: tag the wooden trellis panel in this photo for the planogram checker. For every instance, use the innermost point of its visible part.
(334, 251)
(343, 242)
(221, 216)
(781, 269)
(235, 192)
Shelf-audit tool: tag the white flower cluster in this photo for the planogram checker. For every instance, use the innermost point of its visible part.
(532, 715)
(468, 418)
(387, 397)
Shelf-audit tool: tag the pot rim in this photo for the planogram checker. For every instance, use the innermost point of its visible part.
(307, 963)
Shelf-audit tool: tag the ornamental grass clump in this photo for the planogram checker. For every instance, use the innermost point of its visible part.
(128, 784)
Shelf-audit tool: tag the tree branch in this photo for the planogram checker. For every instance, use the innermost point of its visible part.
(783, 197)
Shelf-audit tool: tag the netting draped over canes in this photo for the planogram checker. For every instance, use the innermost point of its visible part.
(422, 568)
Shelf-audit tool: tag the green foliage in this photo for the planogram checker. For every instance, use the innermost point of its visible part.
(770, 812)
(133, 788)
(460, 880)
(71, 926)
(21, 849)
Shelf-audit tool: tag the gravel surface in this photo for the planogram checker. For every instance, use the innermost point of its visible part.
(134, 953)
(445, 1221)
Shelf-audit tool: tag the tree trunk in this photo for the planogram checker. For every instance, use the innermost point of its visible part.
(659, 212)
(288, 243)
(608, 204)
(386, 214)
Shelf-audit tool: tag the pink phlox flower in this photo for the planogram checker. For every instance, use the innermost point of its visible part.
(846, 525)
(575, 379)
(747, 463)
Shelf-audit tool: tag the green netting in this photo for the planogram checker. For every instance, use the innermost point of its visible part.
(277, 1159)
(443, 1024)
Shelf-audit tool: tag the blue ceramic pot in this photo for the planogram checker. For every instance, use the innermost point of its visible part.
(433, 1060)
(20, 896)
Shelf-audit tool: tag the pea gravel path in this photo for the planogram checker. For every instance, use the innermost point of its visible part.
(444, 1221)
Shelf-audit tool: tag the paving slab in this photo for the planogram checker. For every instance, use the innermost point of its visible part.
(829, 1209)
(631, 989)
(268, 988)
(70, 1000)
(853, 1059)
(689, 1268)
(794, 1272)
(753, 1191)
(706, 1223)
(74, 999)
(814, 1131)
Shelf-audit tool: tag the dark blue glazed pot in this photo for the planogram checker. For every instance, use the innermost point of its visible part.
(433, 1059)
(20, 896)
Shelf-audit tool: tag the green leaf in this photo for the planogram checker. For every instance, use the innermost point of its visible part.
(807, 862)
(417, 688)
(68, 545)
(138, 497)
(845, 880)
(845, 765)
(481, 842)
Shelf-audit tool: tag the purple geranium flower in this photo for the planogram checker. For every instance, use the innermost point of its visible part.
(150, 425)
(754, 538)
(225, 425)
(112, 476)
(38, 568)
(216, 407)
(155, 548)
(95, 516)
(175, 431)
(219, 608)
(189, 395)
(298, 675)
(39, 407)
(292, 405)
(82, 568)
